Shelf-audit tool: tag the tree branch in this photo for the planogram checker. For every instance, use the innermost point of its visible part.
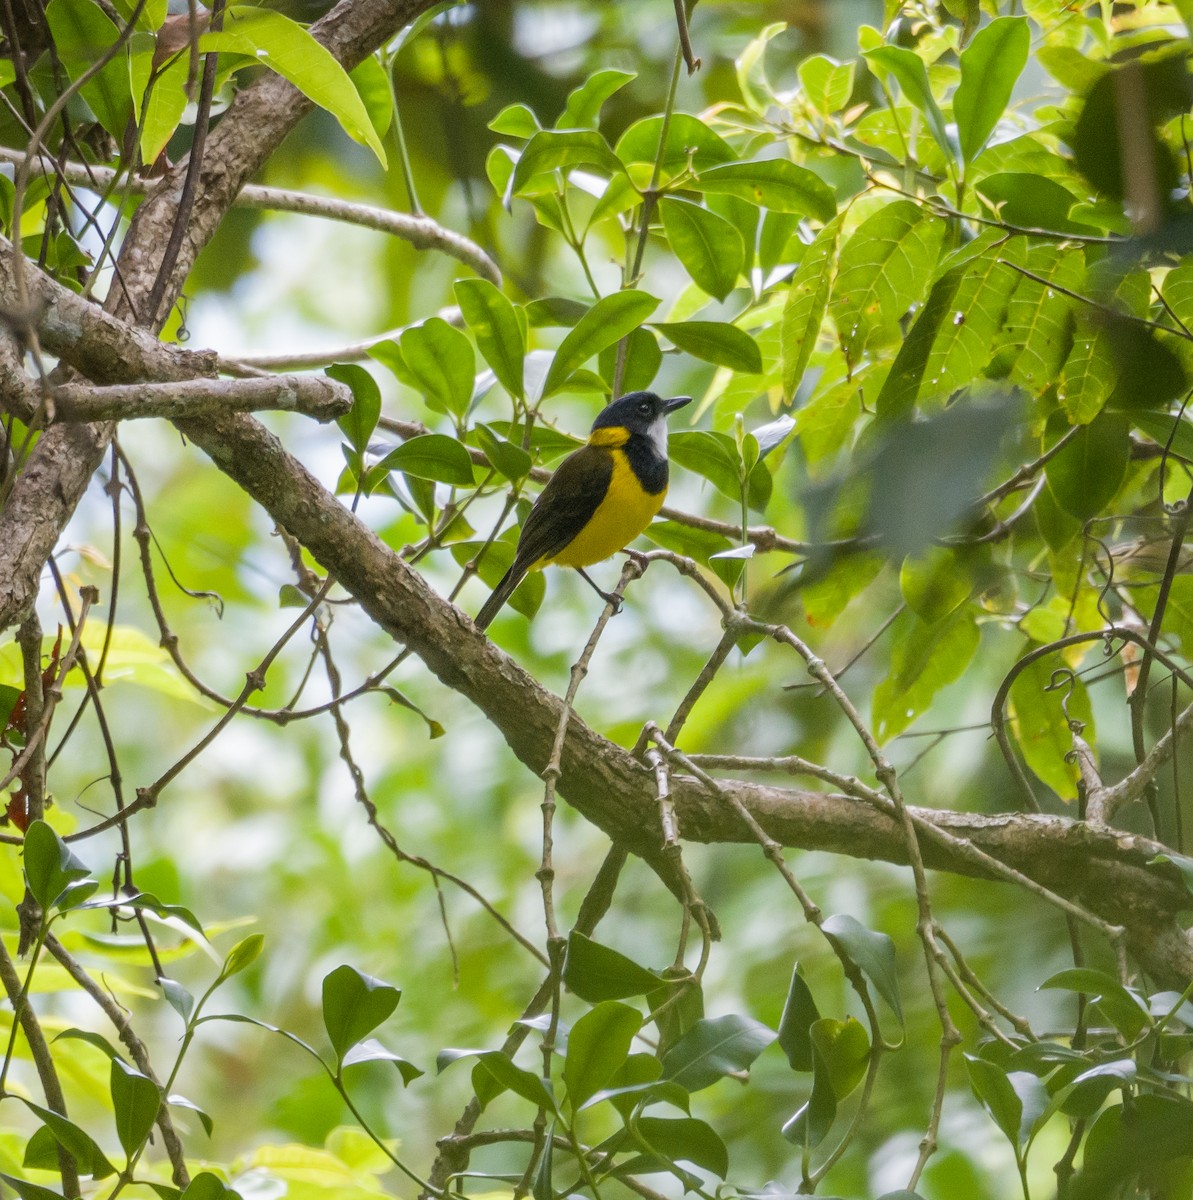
(422, 232)
(313, 396)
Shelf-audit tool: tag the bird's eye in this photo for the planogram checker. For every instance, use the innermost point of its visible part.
(644, 408)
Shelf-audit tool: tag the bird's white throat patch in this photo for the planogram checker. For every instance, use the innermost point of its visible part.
(657, 432)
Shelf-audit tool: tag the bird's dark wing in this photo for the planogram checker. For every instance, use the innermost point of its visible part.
(566, 504)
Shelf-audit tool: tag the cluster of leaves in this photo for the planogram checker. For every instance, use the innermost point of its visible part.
(957, 324)
(962, 299)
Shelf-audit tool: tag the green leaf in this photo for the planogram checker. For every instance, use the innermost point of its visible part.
(136, 1100)
(715, 342)
(432, 456)
(493, 563)
(585, 102)
(884, 269)
(161, 110)
(682, 1139)
(354, 1004)
(690, 143)
(1177, 289)
(596, 973)
(499, 334)
(774, 183)
(1034, 201)
(844, 1049)
(372, 83)
(206, 1186)
(82, 34)
(242, 955)
(178, 997)
(75, 1141)
(807, 302)
(643, 358)
(1133, 1141)
(709, 247)
(1091, 371)
(51, 867)
(872, 952)
(1088, 1092)
(810, 1124)
(286, 47)
(1040, 729)
(436, 360)
(710, 454)
(609, 320)
(926, 658)
(955, 335)
(30, 1191)
(359, 422)
(1126, 1010)
(515, 120)
(597, 1047)
(97, 1040)
(1015, 1101)
(512, 461)
(177, 1101)
(713, 1048)
(909, 71)
(8, 700)
(990, 65)
(936, 582)
(1038, 330)
(798, 1015)
(151, 14)
(555, 312)
(636, 1083)
(827, 84)
(1085, 476)
(371, 1050)
(500, 1069)
(549, 151)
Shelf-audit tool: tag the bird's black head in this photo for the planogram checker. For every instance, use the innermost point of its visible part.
(643, 413)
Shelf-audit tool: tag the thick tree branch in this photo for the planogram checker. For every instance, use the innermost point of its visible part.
(310, 395)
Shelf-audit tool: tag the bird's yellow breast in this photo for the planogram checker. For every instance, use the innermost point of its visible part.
(625, 512)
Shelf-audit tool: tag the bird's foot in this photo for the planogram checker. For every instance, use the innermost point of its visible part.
(613, 600)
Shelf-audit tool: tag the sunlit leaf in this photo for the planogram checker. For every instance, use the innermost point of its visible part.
(774, 183)
(714, 341)
(990, 65)
(709, 247)
(277, 42)
(498, 332)
(807, 302)
(609, 319)
(883, 269)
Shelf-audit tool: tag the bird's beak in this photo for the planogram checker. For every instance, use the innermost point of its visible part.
(676, 402)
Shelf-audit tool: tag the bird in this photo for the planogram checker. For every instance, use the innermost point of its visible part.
(601, 497)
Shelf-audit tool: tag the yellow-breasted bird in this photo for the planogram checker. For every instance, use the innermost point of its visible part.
(600, 498)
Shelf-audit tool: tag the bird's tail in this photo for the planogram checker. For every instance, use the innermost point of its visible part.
(501, 593)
